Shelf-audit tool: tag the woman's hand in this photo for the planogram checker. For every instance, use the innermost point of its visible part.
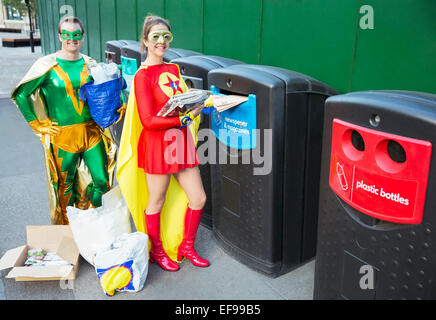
(196, 109)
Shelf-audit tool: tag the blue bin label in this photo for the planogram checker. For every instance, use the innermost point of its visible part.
(236, 127)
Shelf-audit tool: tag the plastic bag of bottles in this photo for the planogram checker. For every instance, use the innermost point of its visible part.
(103, 94)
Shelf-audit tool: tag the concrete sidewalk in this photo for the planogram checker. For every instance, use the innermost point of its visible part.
(14, 63)
(24, 201)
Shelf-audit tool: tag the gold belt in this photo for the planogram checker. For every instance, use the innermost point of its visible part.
(78, 138)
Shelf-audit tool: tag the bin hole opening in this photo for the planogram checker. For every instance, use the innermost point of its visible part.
(183, 70)
(189, 84)
(353, 144)
(357, 141)
(396, 151)
(229, 83)
(374, 120)
(390, 156)
(228, 93)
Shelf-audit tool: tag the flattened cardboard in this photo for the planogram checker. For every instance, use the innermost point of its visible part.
(13, 257)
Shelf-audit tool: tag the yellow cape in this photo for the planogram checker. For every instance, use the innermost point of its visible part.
(38, 69)
(133, 184)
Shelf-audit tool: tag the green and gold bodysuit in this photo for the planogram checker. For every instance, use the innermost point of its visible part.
(80, 137)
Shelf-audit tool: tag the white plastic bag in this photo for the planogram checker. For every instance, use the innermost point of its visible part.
(102, 72)
(96, 229)
(124, 265)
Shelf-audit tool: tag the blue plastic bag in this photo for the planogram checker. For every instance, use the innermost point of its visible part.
(104, 100)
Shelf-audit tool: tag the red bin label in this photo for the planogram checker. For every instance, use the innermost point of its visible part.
(380, 174)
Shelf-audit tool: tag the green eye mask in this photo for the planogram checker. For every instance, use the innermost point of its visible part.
(160, 36)
(73, 35)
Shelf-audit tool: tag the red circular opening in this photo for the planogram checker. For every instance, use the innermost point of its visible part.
(353, 144)
(390, 156)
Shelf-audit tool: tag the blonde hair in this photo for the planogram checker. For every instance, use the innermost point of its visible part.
(149, 22)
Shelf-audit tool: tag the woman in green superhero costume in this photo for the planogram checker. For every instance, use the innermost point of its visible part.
(80, 157)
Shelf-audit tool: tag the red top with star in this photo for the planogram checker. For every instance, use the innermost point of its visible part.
(163, 146)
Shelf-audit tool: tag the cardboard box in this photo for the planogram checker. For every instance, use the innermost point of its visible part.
(54, 238)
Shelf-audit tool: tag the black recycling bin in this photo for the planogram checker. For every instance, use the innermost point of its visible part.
(113, 50)
(113, 54)
(131, 60)
(194, 70)
(265, 180)
(376, 227)
(133, 51)
(174, 53)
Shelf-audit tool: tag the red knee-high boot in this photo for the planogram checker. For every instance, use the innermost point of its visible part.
(186, 249)
(157, 252)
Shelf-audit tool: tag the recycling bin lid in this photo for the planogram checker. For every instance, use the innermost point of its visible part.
(201, 64)
(133, 51)
(131, 48)
(219, 61)
(241, 80)
(118, 44)
(174, 53)
(295, 81)
(184, 52)
(402, 101)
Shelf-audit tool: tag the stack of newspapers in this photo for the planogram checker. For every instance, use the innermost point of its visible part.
(181, 103)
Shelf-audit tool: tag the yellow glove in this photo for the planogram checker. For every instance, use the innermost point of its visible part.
(186, 118)
(46, 127)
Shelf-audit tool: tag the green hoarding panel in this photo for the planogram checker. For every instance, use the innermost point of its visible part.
(399, 52)
(81, 13)
(50, 26)
(56, 20)
(42, 30)
(145, 8)
(323, 39)
(186, 19)
(126, 19)
(108, 23)
(312, 37)
(232, 29)
(94, 34)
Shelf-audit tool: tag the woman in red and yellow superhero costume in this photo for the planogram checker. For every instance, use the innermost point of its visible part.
(157, 164)
(80, 159)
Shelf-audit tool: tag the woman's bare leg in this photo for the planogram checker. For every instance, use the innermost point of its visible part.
(157, 189)
(190, 181)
